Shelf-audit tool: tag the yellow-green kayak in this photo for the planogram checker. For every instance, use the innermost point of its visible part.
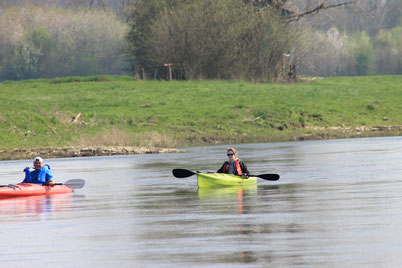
(222, 180)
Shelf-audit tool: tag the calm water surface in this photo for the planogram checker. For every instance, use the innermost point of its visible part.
(337, 204)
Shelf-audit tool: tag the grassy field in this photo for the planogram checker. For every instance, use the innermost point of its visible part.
(117, 110)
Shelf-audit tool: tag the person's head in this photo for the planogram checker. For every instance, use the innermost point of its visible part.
(232, 154)
(38, 163)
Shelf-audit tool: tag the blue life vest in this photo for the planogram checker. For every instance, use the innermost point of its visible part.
(38, 176)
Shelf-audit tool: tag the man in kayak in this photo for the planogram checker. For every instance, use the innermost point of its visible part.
(41, 174)
(234, 165)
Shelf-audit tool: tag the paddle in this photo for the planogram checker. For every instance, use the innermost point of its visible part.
(184, 173)
(268, 177)
(9, 185)
(73, 184)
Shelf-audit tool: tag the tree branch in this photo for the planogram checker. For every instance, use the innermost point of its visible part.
(297, 16)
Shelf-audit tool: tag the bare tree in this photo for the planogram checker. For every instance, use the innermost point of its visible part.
(314, 7)
(293, 10)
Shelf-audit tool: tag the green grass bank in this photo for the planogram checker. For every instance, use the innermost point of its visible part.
(119, 111)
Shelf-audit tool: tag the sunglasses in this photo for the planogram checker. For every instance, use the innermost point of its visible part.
(230, 154)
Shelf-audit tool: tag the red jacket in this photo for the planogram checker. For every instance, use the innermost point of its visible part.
(241, 168)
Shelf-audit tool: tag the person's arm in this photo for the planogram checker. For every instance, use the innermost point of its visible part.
(244, 169)
(27, 176)
(49, 177)
(221, 169)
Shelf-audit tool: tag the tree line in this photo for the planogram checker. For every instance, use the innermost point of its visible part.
(266, 40)
(45, 42)
(206, 39)
(253, 40)
(344, 42)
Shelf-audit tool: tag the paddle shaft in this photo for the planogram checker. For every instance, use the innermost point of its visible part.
(74, 184)
(9, 185)
(184, 173)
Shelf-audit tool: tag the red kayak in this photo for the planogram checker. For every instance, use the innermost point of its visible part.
(29, 189)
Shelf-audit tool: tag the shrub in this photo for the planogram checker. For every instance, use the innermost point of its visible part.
(225, 39)
(44, 42)
(388, 51)
(30, 55)
(362, 49)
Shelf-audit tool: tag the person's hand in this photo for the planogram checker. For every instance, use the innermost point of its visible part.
(245, 176)
(51, 182)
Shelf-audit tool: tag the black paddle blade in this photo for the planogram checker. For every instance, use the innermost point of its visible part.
(182, 173)
(74, 184)
(268, 177)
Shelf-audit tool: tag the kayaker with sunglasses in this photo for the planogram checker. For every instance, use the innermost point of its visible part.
(41, 173)
(234, 165)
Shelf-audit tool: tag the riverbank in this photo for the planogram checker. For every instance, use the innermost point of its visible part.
(320, 133)
(116, 111)
(62, 152)
(343, 132)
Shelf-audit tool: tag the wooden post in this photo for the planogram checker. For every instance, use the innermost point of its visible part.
(170, 69)
(143, 74)
(137, 72)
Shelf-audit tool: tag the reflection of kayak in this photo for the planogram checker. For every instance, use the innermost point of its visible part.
(226, 192)
(28, 189)
(228, 198)
(221, 179)
(36, 203)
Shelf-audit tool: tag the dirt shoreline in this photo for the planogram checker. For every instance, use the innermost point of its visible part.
(65, 152)
(342, 132)
(317, 133)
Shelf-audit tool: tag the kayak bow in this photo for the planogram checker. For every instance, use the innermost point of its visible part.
(221, 179)
(29, 189)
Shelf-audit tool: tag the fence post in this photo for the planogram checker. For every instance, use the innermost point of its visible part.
(170, 69)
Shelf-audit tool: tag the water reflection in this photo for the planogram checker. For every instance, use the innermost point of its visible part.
(232, 201)
(336, 202)
(228, 197)
(36, 205)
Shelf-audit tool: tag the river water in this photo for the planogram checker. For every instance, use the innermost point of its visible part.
(338, 203)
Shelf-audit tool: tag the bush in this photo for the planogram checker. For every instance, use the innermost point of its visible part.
(333, 54)
(363, 53)
(324, 54)
(388, 51)
(224, 39)
(45, 42)
(30, 55)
